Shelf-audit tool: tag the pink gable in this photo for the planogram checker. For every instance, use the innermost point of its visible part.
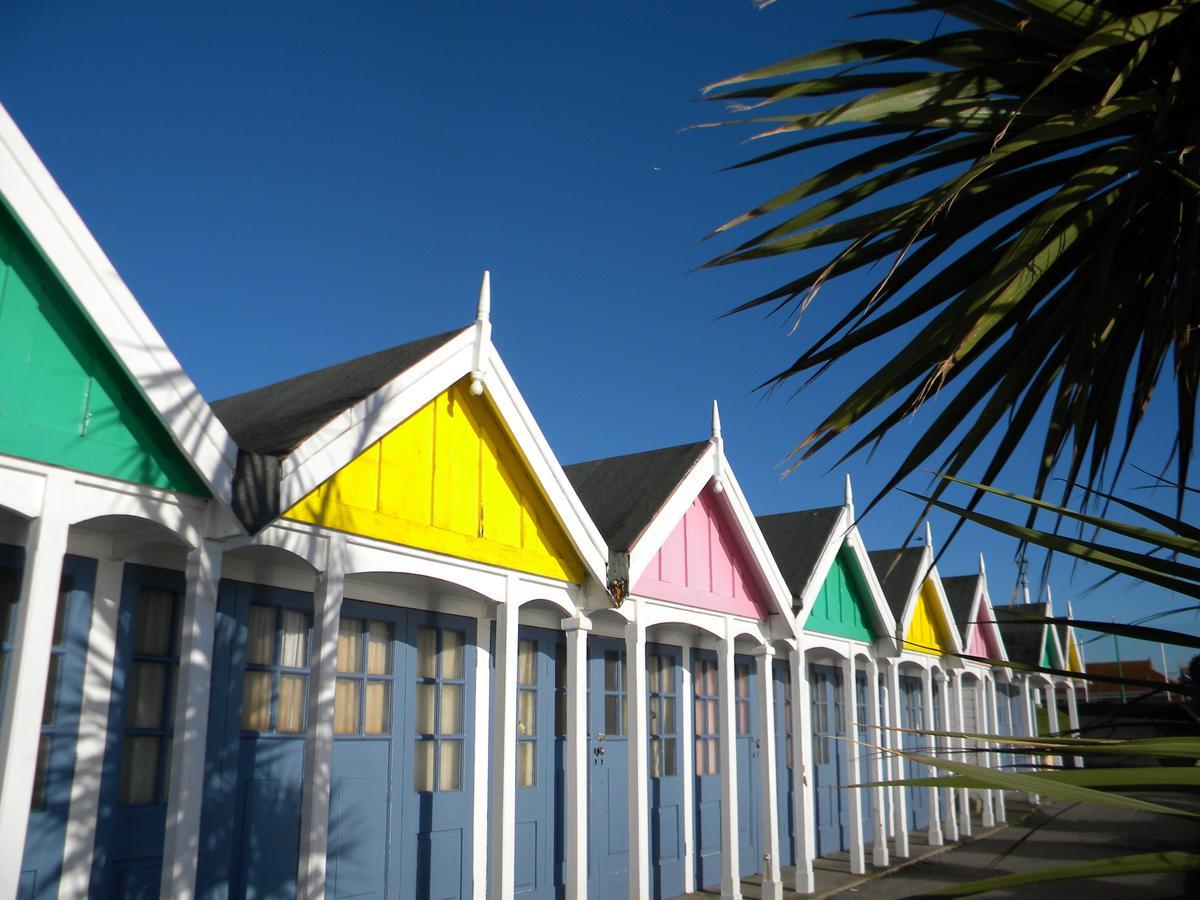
(701, 564)
(983, 635)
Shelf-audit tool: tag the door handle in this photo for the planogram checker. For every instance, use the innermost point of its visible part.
(598, 751)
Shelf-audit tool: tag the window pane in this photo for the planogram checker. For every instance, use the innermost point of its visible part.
(39, 774)
(711, 678)
(612, 663)
(452, 654)
(152, 623)
(652, 665)
(667, 677)
(345, 706)
(139, 770)
(668, 757)
(427, 653)
(423, 766)
(426, 694)
(560, 666)
(788, 751)
(51, 690)
(741, 677)
(527, 662)
(294, 650)
(655, 725)
(260, 636)
(612, 716)
(655, 758)
(256, 701)
(743, 718)
(451, 721)
(449, 765)
(349, 641)
(713, 763)
(378, 714)
(60, 615)
(560, 713)
(147, 689)
(379, 648)
(526, 713)
(700, 770)
(668, 716)
(526, 764)
(289, 718)
(10, 585)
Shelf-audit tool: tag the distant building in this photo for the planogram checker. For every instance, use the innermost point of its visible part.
(1137, 669)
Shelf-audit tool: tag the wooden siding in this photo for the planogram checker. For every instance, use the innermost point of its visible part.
(448, 479)
(1074, 663)
(702, 564)
(983, 640)
(927, 631)
(842, 606)
(64, 398)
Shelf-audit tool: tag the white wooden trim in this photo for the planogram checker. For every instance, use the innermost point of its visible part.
(29, 663)
(481, 746)
(858, 862)
(638, 776)
(503, 773)
(731, 879)
(935, 811)
(71, 250)
(803, 808)
(656, 532)
(964, 795)
(895, 741)
(575, 754)
(687, 741)
(768, 776)
(879, 847)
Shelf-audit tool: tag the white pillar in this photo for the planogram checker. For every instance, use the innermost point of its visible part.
(998, 797)
(858, 864)
(29, 664)
(964, 795)
(318, 737)
(481, 751)
(575, 757)
(185, 788)
(80, 843)
(503, 773)
(879, 849)
(638, 783)
(688, 761)
(896, 741)
(768, 777)
(885, 741)
(1073, 717)
(731, 878)
(802, 797)
(946, 751)
(1030, 724)
(930, 745)
(987, 757)
(1051, 701)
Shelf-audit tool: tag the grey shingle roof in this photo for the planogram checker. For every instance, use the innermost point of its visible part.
(796, 540)
(623, 494)
(897, 571)
(1022, 639)
(960, 593)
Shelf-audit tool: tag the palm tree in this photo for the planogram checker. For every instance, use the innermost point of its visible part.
(1046, 238)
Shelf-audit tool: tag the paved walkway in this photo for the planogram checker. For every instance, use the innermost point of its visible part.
(1052, 835)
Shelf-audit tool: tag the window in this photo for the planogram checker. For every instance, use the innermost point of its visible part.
(560, 690)
(146, 750)
(363, 694)
(440, 689)
(275, 682)
(786, 681)
(616, 688)
(707, 744)
(527, 723)
(58, 649)
(664, 728)
(741, 684)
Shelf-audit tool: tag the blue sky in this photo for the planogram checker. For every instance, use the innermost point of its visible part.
(290, 185)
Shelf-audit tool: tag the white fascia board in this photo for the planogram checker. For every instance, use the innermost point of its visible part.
(665, 520)
(816, 578)
(523, 427)
(885, 621)
(752, 537)
(985, 600)
(71, 250)
(347, 435)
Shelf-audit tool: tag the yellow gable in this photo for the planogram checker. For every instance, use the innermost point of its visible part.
(448, 479)
(1074, 664)
(927, 631)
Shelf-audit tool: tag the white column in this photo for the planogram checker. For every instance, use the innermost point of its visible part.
(1051, 701)
(802, 797)
(885, 741)
(80, 842)
(930, 745)
(731, 879)
(768, 777)
(481, 749)
(879, 848)
(185, 788)
(638, 784)
(29, 663)
(1073, 717)
(576, 758)
(998, 797)
(964, 795)
(987, 757)
(1030, 723)
(946, 745)
(318, 737)
(896, 741)
(858, 864)
(503, 774)
(688, 761)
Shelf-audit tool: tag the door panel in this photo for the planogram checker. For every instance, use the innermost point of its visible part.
(829, 758)
(665, 770)
(706, 724)
(912, 715)
(608, 819)
(784, 761)
(745, 688)
(863, 752)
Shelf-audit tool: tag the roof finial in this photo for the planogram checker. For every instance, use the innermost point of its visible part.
(1049, 602)
(982, 566)
(848, 496)
(716, 420)
(483, 333)
(718, 448)
(1070, 612)
(928, 536)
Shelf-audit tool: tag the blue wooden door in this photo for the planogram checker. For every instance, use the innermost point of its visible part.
(666, 781)
(862, 750)
(608, 802)
(829, 759)
(706, 723)
(785, 785)
(912, 715)
(55, 766)
(745, 678)
(540, 799)
(364, 817)
(131, 822)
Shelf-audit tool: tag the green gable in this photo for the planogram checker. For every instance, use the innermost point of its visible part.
(842, 607)
(1047, 658)
(64, 398)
